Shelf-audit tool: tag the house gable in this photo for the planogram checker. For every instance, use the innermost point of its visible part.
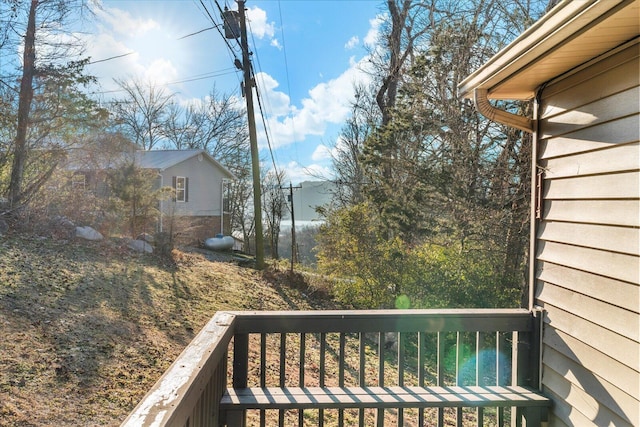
(197, 180)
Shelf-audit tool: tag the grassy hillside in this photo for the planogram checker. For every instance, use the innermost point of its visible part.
(87, 327)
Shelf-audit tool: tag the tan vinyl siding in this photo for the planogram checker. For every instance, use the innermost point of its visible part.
(613, 212)
(588, 247)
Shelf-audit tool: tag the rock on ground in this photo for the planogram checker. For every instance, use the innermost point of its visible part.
(88, 233)
(140, 246)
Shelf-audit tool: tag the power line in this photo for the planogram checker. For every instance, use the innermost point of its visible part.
(262, 115)
(205, 76)
(197, 32)
(232, 53)
(235, 58)
(248, 92)
(286, 69)
(110, 58)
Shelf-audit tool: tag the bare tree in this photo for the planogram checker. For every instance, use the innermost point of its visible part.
(216, 123)
(142, 113)
(346, 155)
(435, 171)
(404, 30)
(275, 207)
(36, 26)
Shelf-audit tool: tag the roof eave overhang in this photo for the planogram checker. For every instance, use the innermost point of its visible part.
(515, 72)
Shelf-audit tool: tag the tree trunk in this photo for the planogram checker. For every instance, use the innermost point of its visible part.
(24, 107)
(386, 96)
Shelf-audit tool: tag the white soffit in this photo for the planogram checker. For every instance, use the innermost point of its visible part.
(572, 33)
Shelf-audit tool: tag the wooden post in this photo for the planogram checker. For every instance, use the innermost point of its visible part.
(253, 139)
(240, 372)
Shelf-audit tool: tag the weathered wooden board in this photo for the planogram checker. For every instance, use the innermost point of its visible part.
(614, 292)
(384, 321)
(379, 397)
(172, 399)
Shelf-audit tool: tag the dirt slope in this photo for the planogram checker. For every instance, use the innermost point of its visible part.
(87, 328)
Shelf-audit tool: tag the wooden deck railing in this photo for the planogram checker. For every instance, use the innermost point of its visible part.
(364, 349)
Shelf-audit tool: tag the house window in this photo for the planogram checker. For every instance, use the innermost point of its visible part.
(181, 185)
(226, 196)
(78, 181)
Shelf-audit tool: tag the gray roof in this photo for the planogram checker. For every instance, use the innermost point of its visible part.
(163, 159)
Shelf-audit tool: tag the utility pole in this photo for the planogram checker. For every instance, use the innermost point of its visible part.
(294, 252)
(253, 139)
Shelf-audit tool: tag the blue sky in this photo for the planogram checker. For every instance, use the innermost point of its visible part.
(308, 54)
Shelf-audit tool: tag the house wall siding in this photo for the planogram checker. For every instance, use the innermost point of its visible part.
(588, 252)
(205, 189)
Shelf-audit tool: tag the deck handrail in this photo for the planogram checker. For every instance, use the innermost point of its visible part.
(416, 320)
(189, 392)
(200, 369)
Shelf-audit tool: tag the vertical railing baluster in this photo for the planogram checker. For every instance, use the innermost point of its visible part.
(301, 373)
(240, 360)
(263, 360)
(221, 385)
(400, 340)
(263, 374)
(516, 353)
(421, 368)
(361, 374)
(303, 350)
(441, 344)
(323, 353)
(459, 381)
(523, 366)
(240, 366)
(381, 344)
(479, 375)
(283, 372)
(341, 357)
(499, 374)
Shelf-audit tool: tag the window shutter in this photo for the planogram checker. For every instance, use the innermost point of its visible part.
(186, 189)
(173, 185)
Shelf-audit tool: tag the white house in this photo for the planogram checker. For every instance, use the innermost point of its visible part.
(196, 210)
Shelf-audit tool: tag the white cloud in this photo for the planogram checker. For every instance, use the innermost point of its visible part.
(352, 43)
(122, 22)
(278, 102)
(322, 152)
(160, 71)
(327, 103)
(258, 23)
(275, 43)
(371, 38)
(297, 173)
(149, 51)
